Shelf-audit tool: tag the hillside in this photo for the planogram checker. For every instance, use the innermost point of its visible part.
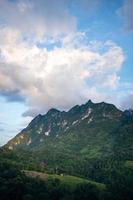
(31, 185)
(90, 140)
(71, 181)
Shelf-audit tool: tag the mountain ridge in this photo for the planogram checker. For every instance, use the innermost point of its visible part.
(77, 114)
(89, 140)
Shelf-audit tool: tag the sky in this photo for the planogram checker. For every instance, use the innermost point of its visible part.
(59, 53)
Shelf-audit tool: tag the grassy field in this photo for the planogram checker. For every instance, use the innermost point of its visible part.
(68, 180)
(129, 164)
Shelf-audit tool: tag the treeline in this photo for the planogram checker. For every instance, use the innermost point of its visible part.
(14, 185)
(101, 169)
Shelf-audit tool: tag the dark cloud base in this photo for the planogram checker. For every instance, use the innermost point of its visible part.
(12, 96)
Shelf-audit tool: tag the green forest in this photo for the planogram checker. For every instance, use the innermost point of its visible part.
(15, 185)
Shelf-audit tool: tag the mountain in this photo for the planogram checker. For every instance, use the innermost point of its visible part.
(54, 124)
(88, 140)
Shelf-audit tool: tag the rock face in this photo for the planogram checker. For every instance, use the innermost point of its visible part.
(76, 140)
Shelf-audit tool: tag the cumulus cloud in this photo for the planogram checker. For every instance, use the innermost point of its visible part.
(46, 62)
(60, 77)
(126, 13)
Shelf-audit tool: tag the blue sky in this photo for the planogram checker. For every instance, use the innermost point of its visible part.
(61, 53)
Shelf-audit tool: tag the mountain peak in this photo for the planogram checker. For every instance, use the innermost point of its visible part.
(90, 102)
(53, 111)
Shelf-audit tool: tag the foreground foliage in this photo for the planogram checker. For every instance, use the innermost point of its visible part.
(15, 185)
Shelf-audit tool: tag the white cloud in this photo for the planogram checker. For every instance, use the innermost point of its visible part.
(60, 77)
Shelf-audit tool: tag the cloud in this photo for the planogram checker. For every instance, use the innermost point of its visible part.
(59, 77)
(46, 62)
(37, 18)
(127, 100)
(1, 123)
(126, 13)
(31, 112)
(12, 96)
